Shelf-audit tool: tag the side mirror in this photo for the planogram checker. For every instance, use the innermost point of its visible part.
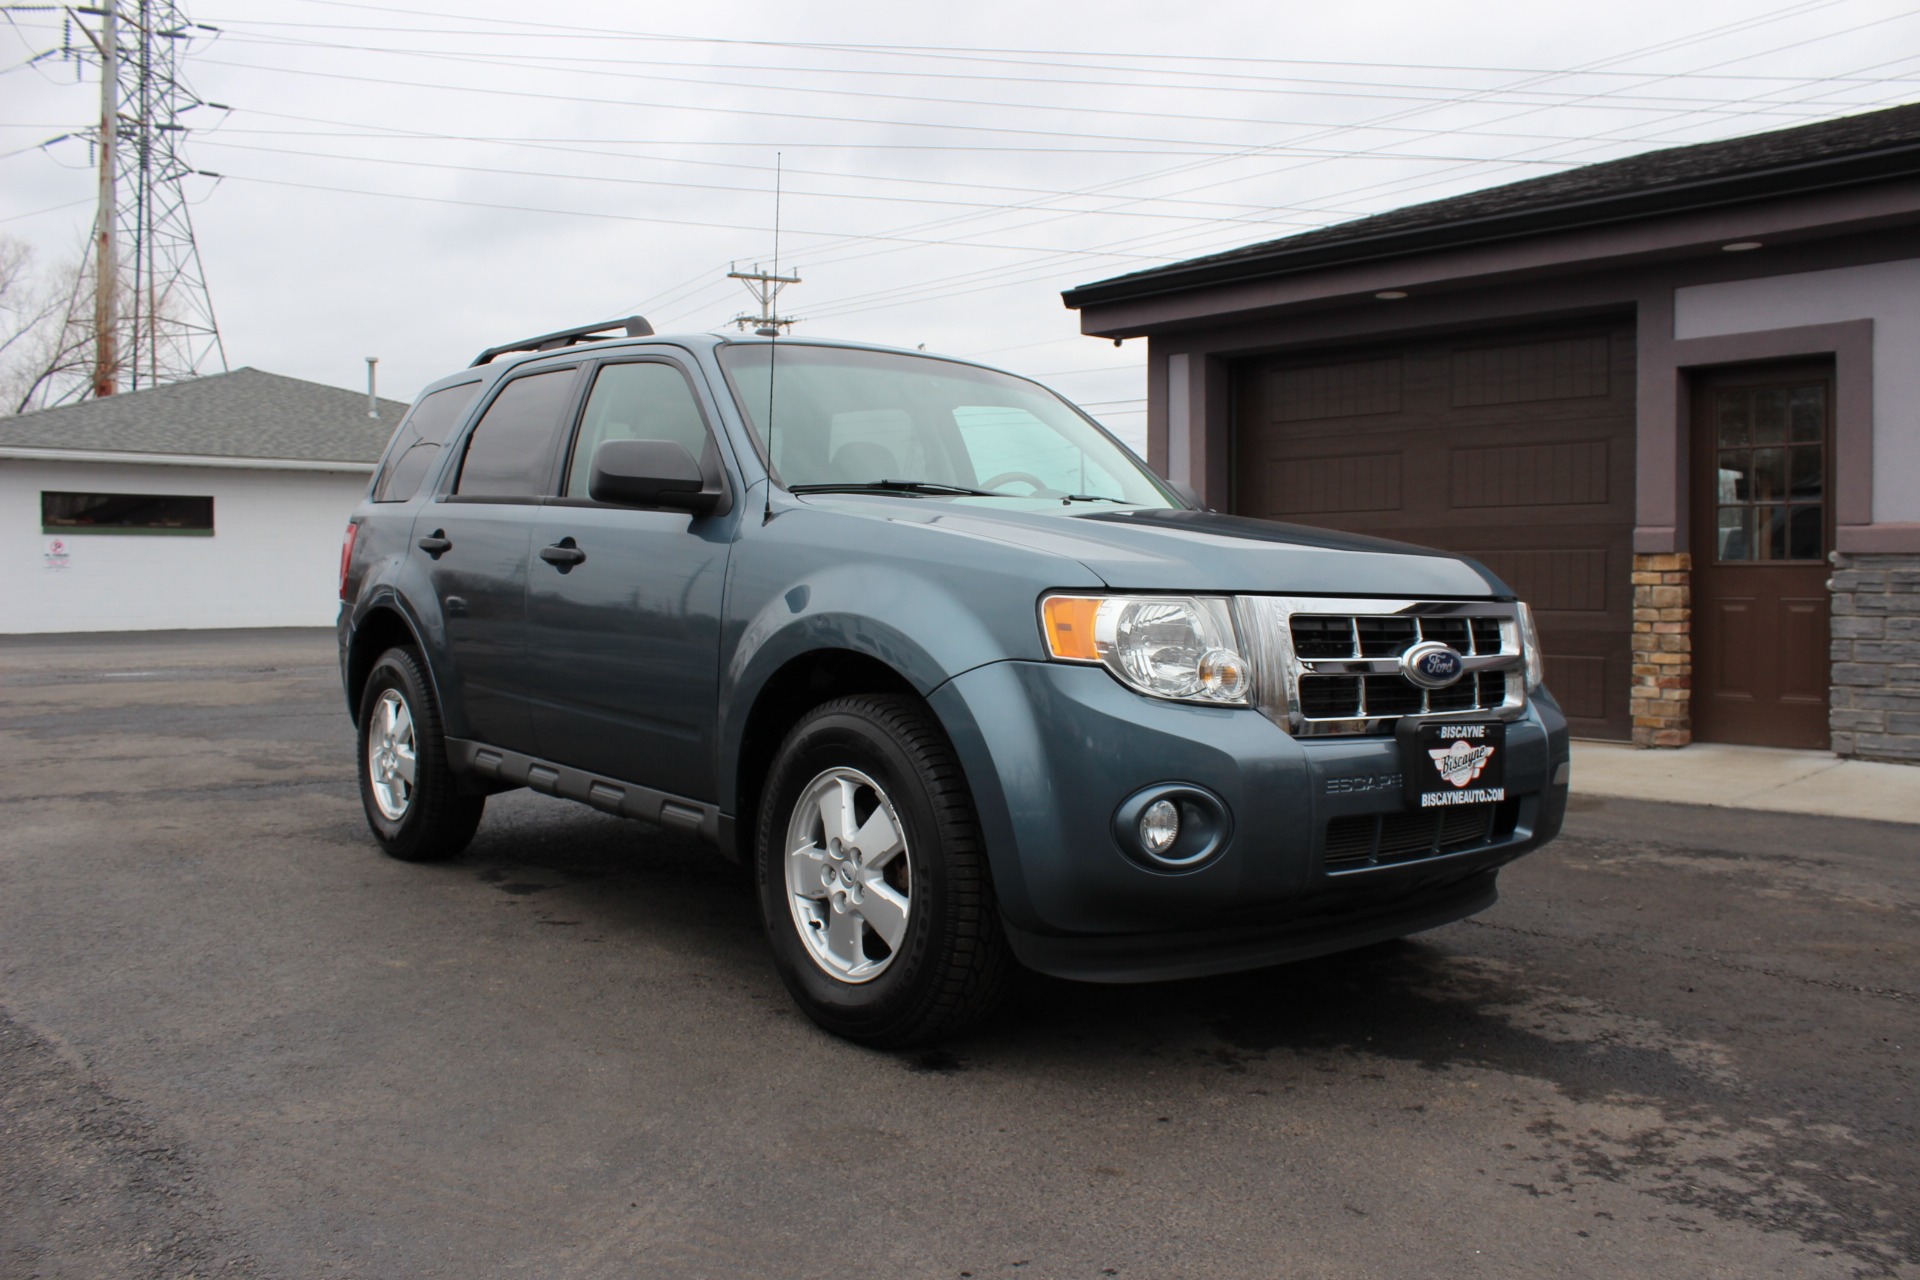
(651, 473)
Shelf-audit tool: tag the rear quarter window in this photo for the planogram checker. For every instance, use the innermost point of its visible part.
(416, 445)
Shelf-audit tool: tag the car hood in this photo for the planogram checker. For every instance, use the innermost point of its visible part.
(1153, 549)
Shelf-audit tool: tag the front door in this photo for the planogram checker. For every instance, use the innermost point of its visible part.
(624, 666)
(1762, 527)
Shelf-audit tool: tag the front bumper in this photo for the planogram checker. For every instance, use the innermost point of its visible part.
(1051, 750)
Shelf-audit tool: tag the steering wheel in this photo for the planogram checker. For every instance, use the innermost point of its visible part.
(1024, 477)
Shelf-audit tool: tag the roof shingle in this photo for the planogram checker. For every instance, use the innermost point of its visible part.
(1875, 145)
(243, 414)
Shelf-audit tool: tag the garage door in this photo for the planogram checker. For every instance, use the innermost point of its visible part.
(1514, 449)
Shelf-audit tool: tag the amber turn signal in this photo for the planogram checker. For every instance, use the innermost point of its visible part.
(1069, 627)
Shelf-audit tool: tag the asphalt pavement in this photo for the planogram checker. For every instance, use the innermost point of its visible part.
(235, 1040)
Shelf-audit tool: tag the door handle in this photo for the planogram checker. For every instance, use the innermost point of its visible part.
(563, 555)
(436, 544)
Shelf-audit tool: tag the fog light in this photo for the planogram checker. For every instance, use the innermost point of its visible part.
(1160, 826)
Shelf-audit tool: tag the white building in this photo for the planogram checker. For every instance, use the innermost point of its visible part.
(218, 502)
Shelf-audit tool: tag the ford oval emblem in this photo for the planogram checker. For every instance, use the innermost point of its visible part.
(1432, 665)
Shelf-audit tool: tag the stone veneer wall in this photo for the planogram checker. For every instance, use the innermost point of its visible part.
(1662, 650)
(1876, 656)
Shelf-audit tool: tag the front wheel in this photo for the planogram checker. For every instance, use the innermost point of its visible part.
(873, 882)
(413, 802)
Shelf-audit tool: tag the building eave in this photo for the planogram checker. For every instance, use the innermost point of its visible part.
(16, 453)
(1717, 192)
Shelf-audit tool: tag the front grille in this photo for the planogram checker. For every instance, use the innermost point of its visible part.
(1365, 840)
(1332, 666)
(1359, 697)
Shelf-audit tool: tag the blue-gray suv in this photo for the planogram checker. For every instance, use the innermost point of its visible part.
(964, 683)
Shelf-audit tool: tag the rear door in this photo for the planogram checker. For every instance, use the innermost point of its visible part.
(475, 539)
(624, 615)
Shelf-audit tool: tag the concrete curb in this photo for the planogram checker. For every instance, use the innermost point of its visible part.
(1762, 778)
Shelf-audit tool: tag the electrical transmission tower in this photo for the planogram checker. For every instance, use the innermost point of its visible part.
(153, 318)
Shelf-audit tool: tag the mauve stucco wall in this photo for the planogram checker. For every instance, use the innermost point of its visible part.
(1887, 293)
(273, 559)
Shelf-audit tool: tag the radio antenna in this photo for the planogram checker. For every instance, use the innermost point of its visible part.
(771, 331)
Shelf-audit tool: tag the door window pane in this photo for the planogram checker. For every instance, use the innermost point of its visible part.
(1809, 413)
(1770, 532)
(1770, 417)
(1730, 415)
(1768, 494)
(1804, 538)
(512, 446)
(1769, 475)
(1735, 484)
(645, 401)
(1736, 533)
(1804, 479)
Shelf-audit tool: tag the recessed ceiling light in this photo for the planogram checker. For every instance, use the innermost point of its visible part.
(1391, 294)
(1740, 246)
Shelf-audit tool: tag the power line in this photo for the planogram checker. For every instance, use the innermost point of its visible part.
(520, 28)
(906, 293)
(601, 215)
(1775, 15)
(571, 64)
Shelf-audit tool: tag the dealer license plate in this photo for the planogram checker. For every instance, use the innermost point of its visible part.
(1449, 762)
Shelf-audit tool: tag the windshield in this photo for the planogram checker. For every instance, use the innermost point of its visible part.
(848, 418)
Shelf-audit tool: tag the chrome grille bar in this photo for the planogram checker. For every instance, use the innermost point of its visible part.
(1362, 692)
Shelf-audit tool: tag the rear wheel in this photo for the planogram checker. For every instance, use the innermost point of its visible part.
(873, 882)
(414, 804)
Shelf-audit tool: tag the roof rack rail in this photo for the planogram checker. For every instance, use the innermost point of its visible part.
(635, 326)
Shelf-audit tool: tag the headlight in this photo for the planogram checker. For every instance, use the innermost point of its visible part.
(1179, 647)
(1530, 645)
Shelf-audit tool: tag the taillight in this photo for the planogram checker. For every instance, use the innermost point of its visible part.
(346, 554)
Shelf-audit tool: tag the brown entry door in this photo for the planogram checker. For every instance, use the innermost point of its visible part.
(1762, 526)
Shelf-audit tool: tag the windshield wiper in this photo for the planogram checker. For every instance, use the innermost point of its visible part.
(1089, 497)
(894, 486)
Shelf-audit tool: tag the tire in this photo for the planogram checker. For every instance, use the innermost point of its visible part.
(425, 818)
(892, 938)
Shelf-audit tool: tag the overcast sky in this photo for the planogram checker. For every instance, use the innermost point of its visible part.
(420, 179)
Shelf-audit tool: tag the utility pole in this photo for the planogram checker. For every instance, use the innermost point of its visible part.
(153, 319)
(106, 258)
(765, 288)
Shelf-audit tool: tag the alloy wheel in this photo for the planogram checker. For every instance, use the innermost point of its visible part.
(849, 880)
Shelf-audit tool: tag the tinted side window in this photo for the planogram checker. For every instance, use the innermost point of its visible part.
(418, 441)
(509, 451)
(636, 402)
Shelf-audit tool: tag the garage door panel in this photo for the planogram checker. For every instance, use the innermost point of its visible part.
(1529, 474)
(1560, 579)
(1346, 389)
(1515, 450)
(1530, 372)
(1337, 483)
(1580, 684)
